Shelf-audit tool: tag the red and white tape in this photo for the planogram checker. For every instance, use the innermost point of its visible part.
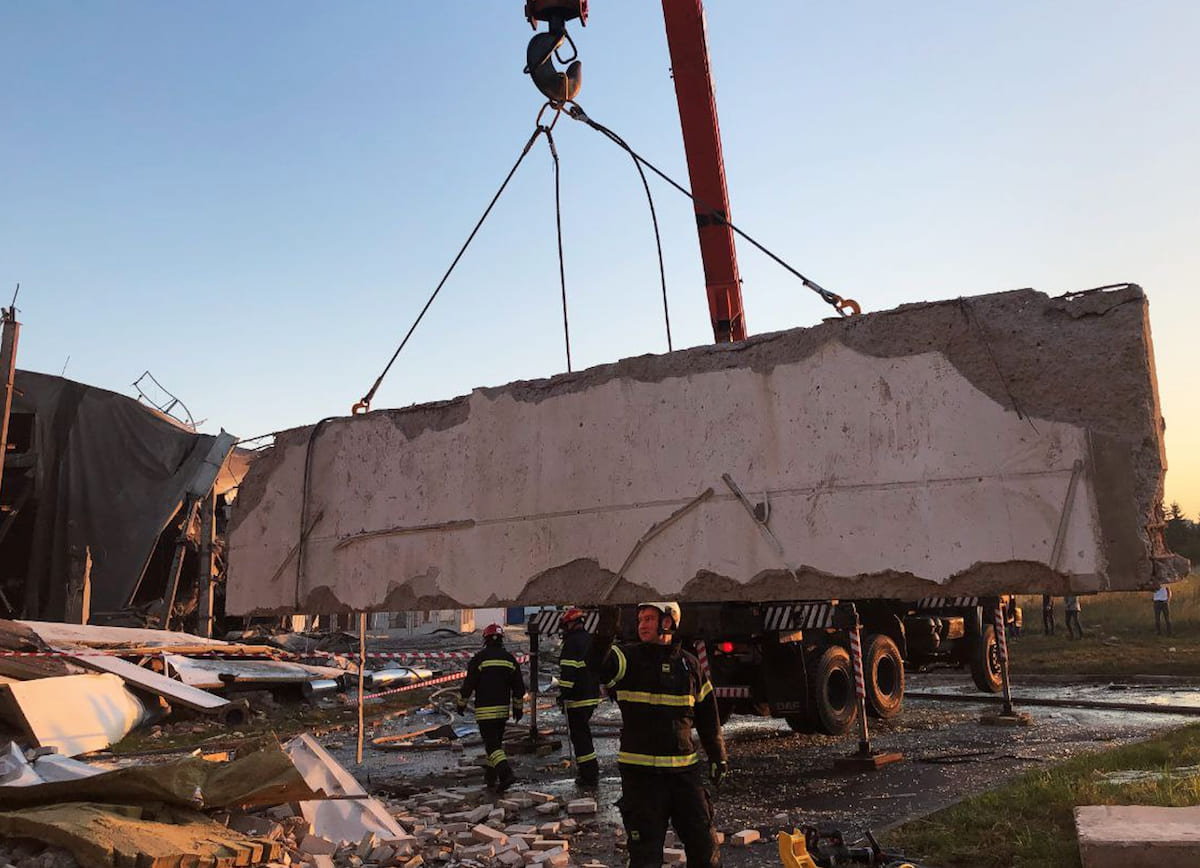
(274, 653)
(430, 682)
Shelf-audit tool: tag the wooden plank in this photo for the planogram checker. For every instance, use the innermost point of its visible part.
(175, 691)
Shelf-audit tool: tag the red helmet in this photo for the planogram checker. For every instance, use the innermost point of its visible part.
(493, 631)
(572, 615)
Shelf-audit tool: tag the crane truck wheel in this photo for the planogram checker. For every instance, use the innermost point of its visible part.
(883, 676)
(985, 661)
(832, 701)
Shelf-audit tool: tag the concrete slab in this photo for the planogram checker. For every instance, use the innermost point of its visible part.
(1003, 443)
(1132, 836)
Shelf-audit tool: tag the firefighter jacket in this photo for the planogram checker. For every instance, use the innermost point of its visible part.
(494, 676)
(577, 685)
(662, 694)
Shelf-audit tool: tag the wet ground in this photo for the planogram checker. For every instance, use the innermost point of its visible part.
(781, 779)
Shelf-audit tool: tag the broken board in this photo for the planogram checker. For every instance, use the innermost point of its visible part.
(160, 685)
(997, 444)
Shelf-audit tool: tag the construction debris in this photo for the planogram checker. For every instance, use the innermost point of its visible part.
(74, 714)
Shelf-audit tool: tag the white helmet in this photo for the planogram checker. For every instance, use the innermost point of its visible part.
(664, 608)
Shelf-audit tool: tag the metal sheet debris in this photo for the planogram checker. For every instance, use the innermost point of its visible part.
(75, 713)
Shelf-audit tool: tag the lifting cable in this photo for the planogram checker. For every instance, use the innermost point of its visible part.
(844, 306)
(562, 271)
(365, 403)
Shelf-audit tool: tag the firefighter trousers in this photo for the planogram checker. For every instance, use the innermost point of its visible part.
(492, 732)
(650, 800)
(580, 730)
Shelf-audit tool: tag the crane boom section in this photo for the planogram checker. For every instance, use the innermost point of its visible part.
(694, 91)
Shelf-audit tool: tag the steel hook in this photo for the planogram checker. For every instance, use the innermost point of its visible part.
(539, 64)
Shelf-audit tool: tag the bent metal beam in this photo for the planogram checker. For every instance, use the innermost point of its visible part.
(1002, 443)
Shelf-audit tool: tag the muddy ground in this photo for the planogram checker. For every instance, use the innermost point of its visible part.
(781, 778)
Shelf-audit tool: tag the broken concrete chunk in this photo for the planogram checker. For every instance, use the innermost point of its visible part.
(581, 806)
(889, 427)
(1121, 836)
(745, 837)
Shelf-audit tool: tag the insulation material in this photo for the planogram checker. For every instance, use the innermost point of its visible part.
(998, 444)
(347, 812)
(75, 713)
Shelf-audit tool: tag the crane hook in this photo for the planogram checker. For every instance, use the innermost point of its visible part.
(559, 87)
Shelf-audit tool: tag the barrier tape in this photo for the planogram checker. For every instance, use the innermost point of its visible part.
(430, 682)
(702, 656)
(273, 654)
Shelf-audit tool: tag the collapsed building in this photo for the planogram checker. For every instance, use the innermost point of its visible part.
(112, 512)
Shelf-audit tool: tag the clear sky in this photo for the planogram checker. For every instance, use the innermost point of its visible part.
(252, 200)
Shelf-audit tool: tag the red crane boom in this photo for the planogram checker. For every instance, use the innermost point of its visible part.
(688, 44)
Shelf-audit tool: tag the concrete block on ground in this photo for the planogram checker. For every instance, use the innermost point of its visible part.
(672, 856)
(889, 427)
(745, 837)
(1132, 836)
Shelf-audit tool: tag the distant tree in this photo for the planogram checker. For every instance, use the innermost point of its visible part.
(1182, 536)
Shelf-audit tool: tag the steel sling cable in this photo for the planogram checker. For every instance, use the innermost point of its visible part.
(365, 403)
(662, 269)
(845, 307)
(562, 268)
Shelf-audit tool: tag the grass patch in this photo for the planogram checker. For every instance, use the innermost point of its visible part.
(1030, 823)
(1127, 618)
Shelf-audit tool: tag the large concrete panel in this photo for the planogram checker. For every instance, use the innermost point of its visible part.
(1002, 443)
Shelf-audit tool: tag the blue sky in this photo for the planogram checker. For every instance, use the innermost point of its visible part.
(252, 200)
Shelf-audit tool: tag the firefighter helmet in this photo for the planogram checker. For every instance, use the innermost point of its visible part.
(493, 632)
(664, 609)
(570, 616)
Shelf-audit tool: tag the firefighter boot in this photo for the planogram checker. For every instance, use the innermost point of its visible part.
(489, 777)
(506, 775)
(589, 774)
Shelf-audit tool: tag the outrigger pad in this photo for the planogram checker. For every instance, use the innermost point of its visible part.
(1006, 443)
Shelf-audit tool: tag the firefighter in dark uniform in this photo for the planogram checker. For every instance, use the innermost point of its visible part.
(662, 694)
(579, 693)
(495, 678)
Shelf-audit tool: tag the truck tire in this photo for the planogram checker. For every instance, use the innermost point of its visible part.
(985, 661)
(883, 676)
(800, 723)
(833, 704)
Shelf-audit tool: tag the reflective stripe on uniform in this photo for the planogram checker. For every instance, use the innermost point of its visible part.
(496, 757)
(585, 758)
(657, 762)
(705, 690)
(562, 683)
(620, 665)
(578, 664)
(673, 699)
(582, 703)
(499, 664)
(491, 712)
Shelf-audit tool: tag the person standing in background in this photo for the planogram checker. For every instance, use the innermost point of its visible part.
(1162, 608)
(1074, 607)
(1048, 614)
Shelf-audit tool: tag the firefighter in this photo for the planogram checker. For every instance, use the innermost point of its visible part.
(495, 678)
(579, 694)
(662, 694)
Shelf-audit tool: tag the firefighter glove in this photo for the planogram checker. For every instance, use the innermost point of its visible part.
(717, 772)
(461, 705)
(518, 711)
